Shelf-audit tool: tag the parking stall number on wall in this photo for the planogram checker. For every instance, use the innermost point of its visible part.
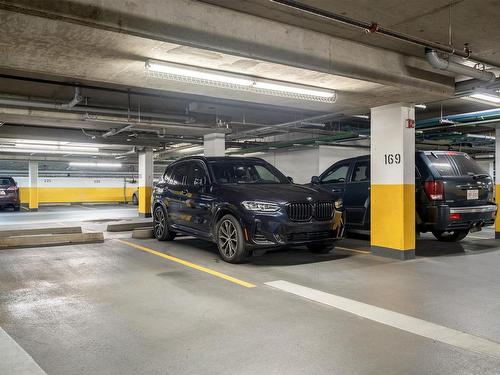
(392, 159)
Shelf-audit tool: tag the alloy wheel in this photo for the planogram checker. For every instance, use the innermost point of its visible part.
(228, 238)
(159, 222)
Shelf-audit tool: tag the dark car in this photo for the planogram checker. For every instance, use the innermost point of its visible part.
(9, 193)
(243, 204)
(453, 194)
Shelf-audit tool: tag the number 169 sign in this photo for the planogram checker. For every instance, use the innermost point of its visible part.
(392, 159)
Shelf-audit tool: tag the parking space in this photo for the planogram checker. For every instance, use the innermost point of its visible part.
(112, 308)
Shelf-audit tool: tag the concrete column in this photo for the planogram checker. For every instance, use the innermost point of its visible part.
(393, 181)
(497, 179)
(214, 144)
(33, 186)
(145, 182)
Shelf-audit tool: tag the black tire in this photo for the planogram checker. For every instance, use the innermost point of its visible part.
(160, 225)
(453, 236)
(135, 199)
(17, 208)
(230, 240)
(320, 248)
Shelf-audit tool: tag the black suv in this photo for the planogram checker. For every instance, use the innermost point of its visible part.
(453, 194)
(243, 204)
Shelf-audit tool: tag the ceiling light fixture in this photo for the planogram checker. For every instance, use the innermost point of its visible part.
(365, 117)
(214, 78)
(486, 97)
(421, 106)
(95, 165)
(67, 149)
(43, 151)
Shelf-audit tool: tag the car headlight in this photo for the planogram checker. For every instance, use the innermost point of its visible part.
(339, 203)
(258, 206)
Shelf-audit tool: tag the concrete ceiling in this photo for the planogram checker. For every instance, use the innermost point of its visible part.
(102, 46)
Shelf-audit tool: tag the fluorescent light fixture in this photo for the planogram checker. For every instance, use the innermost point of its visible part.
(226, 80)
(421, 106)
(39, 142)
(43, 151)
(481, 136)
(293, 89)
(159, 66)
(365, 117)
(67, 149)
(486, 97)
(95, 165)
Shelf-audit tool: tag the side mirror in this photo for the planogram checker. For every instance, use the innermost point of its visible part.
(315, 180)
(290, 179)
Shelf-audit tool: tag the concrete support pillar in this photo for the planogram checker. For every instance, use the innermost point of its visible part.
(214, 144)
(33, 186)
(497, 179)
(393, 181)
(145, 182)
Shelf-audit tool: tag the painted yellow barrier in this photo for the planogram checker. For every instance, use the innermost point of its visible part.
(394, 209)
(78, 194)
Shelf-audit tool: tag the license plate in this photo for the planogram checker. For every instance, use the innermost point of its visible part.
(472, 194)
(2, 192)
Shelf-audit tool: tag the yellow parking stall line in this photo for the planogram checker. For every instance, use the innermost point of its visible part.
(191, 265)
(353, 250)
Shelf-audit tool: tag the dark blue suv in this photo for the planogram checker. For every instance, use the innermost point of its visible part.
(243, 204)
(453, 194)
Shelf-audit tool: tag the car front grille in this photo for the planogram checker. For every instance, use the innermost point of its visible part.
(304, 211)
(300, 211)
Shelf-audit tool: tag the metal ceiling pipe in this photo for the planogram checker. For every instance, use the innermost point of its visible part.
(72, 106)
(450, 66)
(373, 27)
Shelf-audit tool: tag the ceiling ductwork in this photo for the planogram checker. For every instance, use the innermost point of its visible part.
(453, 67)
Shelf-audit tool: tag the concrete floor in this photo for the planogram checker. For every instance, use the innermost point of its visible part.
(113, 309)
(92, 216)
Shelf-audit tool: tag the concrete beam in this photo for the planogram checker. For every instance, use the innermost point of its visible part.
(109, 41)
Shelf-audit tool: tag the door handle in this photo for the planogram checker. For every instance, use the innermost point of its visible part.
(337, 190)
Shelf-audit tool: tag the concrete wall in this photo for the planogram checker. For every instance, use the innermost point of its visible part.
(77, 189)
(303, 163)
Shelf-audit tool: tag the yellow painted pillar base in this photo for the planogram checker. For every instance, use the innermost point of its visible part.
(33, 199)
(145, 201)
(393, 220)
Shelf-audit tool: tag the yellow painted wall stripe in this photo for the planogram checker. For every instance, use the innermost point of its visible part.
(497, 200)
(78, 194)
(191, 265)
(145, 199)
(393, 216)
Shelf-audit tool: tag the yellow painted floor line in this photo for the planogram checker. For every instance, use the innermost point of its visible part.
(354, 250)
(189, 264)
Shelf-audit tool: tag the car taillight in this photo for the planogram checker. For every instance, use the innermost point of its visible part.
(434, 190)
(12, 188)
(455, 216)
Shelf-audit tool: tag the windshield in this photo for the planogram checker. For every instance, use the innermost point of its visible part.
(6, 181)
(246, 172)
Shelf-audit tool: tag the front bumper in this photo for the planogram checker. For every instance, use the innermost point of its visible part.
(272, 231)
(466, 218)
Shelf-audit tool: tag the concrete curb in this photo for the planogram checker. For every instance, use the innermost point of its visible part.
(143, 233)
(50, 240)
(37, 231)
(124, 227)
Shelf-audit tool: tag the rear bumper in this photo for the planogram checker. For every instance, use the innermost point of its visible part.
(464, 218)
(9, 200)
(265, 232)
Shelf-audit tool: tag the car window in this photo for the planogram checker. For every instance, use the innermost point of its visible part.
(361, 171)
(7, 181)
(454, 164)
(246, 172)
(178, 174)
(195, 174)
(336, 174)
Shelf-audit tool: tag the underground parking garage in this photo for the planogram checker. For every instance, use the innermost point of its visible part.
(252, 187)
